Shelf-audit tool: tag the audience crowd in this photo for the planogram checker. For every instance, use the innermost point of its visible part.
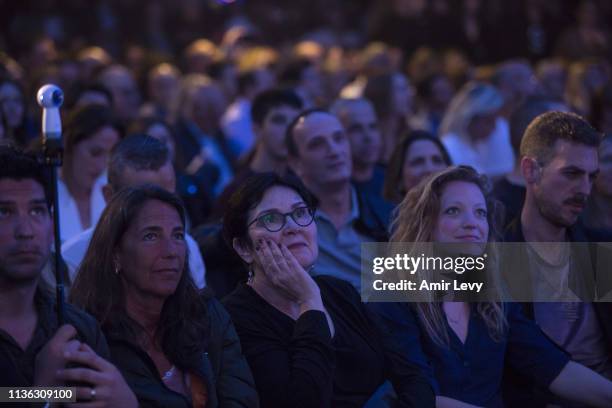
(224, 161)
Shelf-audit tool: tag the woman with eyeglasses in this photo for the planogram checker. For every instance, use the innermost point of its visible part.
(309, 341)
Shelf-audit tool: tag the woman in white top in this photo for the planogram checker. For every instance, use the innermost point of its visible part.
(474, 133)
(89, 136)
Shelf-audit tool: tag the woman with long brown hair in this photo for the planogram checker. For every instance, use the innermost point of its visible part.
(464, 346)
(175, 346)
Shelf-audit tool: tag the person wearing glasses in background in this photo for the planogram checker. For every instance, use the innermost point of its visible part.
(309, 341)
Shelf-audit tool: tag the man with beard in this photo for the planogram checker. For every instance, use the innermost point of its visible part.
(559, 162)
(34, 349)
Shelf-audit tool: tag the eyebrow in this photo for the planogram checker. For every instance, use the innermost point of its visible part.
(579, 170)
(157, 228)
(295, 205)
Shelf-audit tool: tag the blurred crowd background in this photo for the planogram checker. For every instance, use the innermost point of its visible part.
(186, 71)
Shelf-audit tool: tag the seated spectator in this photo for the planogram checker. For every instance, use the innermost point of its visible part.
(391, 95)
(308, 341)
(175, 346)
(89, 137)
(122, 86)
(463, 346)
(19, 128)
(192, 188)
(434, 93)
(510, 189)
(271, 113)
(163, 84)
(319, 154)
(236, 122)
(362, 128)
(35, 348)
(417, 155)
(136, 160)
(473, 132)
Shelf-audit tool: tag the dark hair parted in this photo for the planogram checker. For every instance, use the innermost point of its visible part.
(289, 139)
(543, 132)
(393, 189)
(138, 152)
(274, 98)
(83, 122)
(249, 195)
(183, 325)
(18, 165)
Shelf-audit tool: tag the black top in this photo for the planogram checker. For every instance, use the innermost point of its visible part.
(228, 380)
(17, 366)
(298, 364)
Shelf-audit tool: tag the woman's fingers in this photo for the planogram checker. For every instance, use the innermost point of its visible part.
(80, 374)
(98, 362)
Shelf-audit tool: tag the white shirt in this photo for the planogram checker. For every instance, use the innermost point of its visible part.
(74, 250)
(492, 156)
(70, 221)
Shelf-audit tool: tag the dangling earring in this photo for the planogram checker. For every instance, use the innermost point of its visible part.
(251, 274)
(117, 269)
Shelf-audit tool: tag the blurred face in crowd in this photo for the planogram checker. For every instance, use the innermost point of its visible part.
(161, 132)
(561, 186)
(126, 97)
(208, 105)
(312, 82)
(300, 240)
(603, 182)
(462, 217)
(151, 253)
(164, 84)
(89, 157)
(401, 94)
(324, 154)
(272, 131)
(361, 124)
(422, 158)
(481, 126)
(26, 230)
(11, 101)
(441, 92)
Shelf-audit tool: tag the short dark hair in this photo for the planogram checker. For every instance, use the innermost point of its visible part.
(289, 140)
(18, 165)
(138, 152)
(85, 121)
(249, 194)
(265, 101)
(544, 131)
(523, 116)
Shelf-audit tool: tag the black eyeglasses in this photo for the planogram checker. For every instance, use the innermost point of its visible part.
(275, 221)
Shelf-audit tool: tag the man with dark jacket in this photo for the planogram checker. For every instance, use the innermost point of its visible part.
(34, 349)
(559, 163)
